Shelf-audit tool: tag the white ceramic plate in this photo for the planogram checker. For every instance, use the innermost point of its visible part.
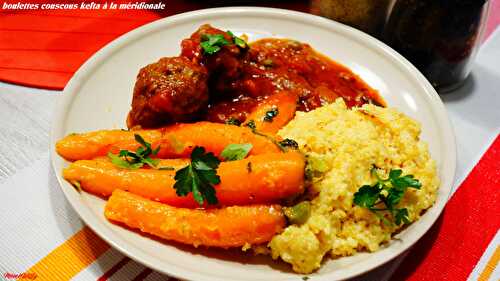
(99, 95)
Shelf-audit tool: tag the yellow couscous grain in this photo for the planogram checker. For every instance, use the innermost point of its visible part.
(341, 146)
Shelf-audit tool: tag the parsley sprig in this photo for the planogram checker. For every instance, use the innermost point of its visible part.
(199, 177)
(212, 43)
(134, 160)
(237, 40)
(385, 194)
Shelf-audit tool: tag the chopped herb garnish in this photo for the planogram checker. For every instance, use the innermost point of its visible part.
(305, 278)
(309, 174)
(233, 121)
(167, 168)
(288, 143)
(283, 145)
(251, 125)
(199, 177)
(271, 114)
(120, 162)
(268, 62)
(134, 160)
(401, 216)
(395, 186)
(77, 185)
(236, 151)
(237, 40)
(212, 43)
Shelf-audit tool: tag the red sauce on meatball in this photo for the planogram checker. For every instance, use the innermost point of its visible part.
(232, 82)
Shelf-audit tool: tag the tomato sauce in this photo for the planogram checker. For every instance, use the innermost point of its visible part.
(277, 65)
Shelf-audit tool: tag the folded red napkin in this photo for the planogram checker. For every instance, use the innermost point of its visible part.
(43, 48)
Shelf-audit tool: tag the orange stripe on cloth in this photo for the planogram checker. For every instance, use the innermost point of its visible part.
(490, 266)
(71, 257)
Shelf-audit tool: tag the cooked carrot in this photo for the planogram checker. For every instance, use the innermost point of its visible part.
(92, 144)
(179, 140)
(175, 141)
(99, 176)
(261, 178)
(273, 113)
(226, 227)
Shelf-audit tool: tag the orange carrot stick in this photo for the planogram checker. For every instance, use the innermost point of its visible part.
(180, 139)
(261, 178)
(273, 113)
(175, 141)
(226, 227)
(98, 143)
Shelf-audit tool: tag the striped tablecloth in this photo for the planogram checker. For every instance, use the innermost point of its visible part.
(42, 238)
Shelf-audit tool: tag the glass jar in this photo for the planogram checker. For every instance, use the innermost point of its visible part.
(366, 15)
(440, 37)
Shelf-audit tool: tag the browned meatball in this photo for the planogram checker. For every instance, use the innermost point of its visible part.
(224, 66)
(170, 90)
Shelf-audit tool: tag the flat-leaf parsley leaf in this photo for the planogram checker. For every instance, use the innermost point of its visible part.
(237, 40)
(212, 43)
(134, 160)
(395, 186)
(199, 177)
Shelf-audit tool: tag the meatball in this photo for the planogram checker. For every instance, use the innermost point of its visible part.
(171, 90)
(224, 66)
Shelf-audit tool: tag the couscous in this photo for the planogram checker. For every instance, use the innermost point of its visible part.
(341, 146)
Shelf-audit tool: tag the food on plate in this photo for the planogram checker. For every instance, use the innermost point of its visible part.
(214, 137)
(98, 143)
(235, 226)
(346, 150)
(256, 179)
(171, 89)
(240, 77)
(268, 146)
(219, 51)
(174, 141)
(273, 113)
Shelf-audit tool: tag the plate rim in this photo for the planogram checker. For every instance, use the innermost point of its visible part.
(89, 218)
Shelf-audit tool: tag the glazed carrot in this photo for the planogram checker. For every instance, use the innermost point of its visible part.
(180, 139)
(273, 113)
(96, 143)
(226, 227)
(261, 178)
(175, 141)
(100, 177)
